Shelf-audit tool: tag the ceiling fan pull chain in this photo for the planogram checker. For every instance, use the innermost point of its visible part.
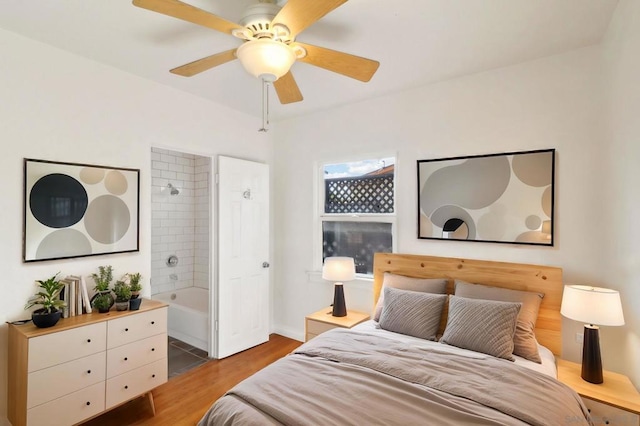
(266, 91)
(265, 106)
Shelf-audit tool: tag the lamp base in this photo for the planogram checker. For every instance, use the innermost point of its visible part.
(339, 306)
(591, 360)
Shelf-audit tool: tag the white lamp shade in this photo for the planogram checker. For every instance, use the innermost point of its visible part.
(266, 59)
(592, 305)
(339, 268)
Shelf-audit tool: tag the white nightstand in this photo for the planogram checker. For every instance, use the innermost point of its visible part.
(321, 321)
(614, 402)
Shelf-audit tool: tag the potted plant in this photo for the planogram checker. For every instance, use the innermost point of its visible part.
(102, 302)
(103, 281)
(123, 294)
(50, 312)
(136, 286)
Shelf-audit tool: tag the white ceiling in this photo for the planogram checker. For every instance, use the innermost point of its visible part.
(416, 41)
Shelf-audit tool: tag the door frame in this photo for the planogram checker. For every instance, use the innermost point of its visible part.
(213, 253)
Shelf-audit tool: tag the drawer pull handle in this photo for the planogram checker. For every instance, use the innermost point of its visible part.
(88, 403)
(88, 340)
(153, 376)
(126, 359)
(88, 371)
(126, 387)
(126, 329)
(153, 322)
(153, 349)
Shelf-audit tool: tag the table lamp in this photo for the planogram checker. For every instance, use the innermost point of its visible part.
(593, 306)
(339, 269)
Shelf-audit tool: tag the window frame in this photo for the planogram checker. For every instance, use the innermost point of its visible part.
(321, 216)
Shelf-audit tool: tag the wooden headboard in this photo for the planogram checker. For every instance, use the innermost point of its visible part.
(517, 276)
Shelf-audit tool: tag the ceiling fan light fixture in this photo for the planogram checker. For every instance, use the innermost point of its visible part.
(266, 59)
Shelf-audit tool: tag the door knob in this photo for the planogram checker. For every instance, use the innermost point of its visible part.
(265, 264)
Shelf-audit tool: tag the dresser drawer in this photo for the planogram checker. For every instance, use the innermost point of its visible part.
(69, 409)
(603, 414)
(133, 355)
(130, 385)
(317, 327)
(54, 382)
(132, 328)
(57, 348)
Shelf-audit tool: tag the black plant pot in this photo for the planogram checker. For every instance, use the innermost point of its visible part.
(134, 304)
(43, 319)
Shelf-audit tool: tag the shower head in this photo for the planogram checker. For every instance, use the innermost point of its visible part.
(174, 190)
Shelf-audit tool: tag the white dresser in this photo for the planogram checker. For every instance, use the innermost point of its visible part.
(85, 365)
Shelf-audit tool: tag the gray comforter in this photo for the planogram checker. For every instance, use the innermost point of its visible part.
(351, 378)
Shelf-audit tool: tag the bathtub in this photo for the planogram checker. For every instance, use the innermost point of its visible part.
(188, 315)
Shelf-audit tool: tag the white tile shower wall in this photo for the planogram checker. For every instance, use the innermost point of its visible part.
(201, 239)
(172, 220)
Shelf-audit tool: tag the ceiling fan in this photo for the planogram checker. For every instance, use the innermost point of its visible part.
(270, 48)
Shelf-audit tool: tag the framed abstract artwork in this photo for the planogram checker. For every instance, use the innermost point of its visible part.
(75, 210)
(502, 198)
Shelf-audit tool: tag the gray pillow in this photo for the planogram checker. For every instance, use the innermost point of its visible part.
(524, 340)
(483, 326)
(412, 312)
(425, 285)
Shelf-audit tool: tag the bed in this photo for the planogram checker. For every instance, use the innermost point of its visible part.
(439, 351)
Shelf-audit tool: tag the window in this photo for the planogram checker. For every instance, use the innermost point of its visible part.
(357, 210)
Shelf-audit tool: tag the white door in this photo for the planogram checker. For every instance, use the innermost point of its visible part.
(243, 255)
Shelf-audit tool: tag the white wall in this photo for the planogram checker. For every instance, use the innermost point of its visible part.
(621, 204)
(554, 102)
(60, 107)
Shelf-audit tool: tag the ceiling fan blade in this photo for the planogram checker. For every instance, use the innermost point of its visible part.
(297, 15)
(186, 12)
(342, 63)
(287, 89)
(204, 64)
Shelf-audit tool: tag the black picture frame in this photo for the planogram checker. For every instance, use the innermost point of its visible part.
(77, 210)
(496, 198)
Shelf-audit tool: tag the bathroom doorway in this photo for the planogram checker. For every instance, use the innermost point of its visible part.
(181, 247)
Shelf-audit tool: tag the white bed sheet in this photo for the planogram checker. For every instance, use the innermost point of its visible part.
(548, 365)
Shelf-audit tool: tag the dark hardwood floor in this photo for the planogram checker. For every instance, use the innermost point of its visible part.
(185, 398)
